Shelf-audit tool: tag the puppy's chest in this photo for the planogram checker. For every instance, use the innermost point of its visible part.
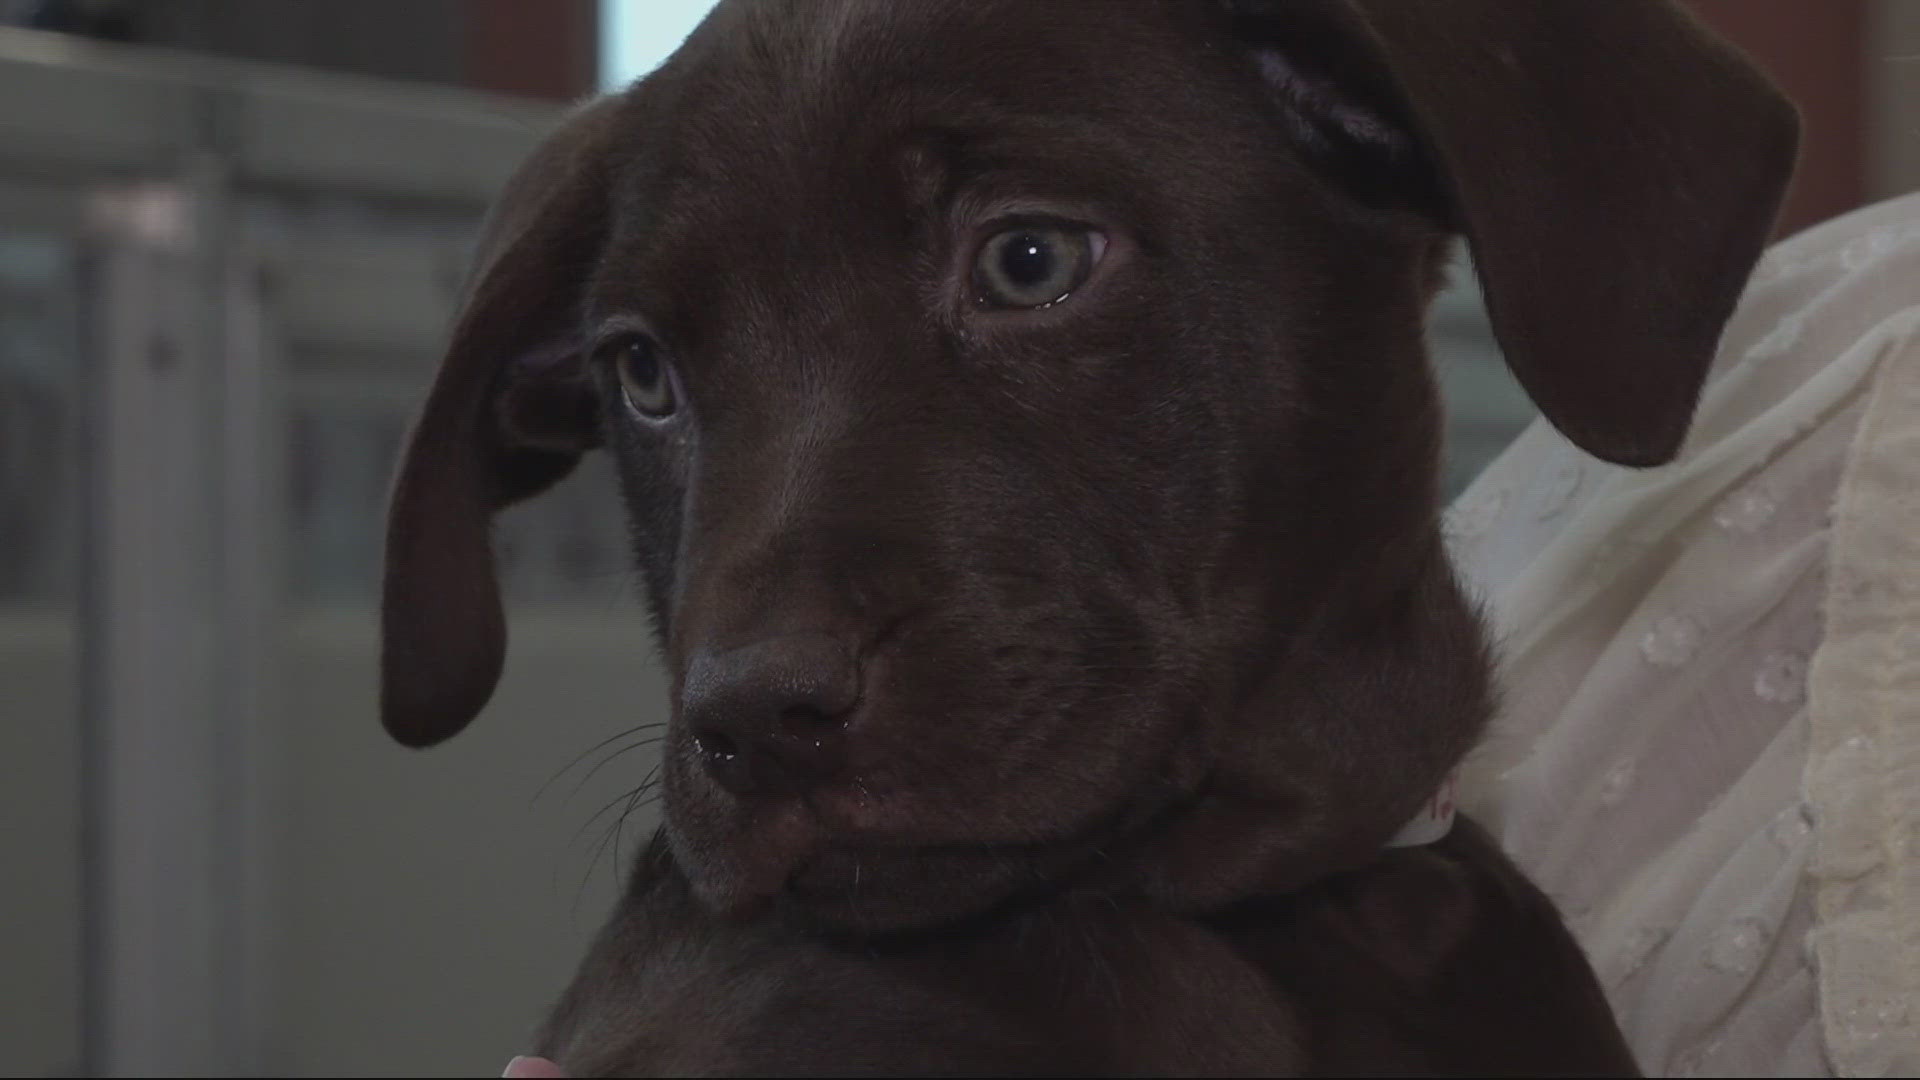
(1087, 991)
(1438, 959)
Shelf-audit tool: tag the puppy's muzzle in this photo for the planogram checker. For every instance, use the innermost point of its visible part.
(769, 719)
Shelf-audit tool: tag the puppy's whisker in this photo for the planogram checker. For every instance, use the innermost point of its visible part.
(588, 752)
(609, 759)
(644, 794)
(600, 813)
(593, 860)
(633, 802)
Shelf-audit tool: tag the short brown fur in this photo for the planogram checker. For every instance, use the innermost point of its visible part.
(1154, 637)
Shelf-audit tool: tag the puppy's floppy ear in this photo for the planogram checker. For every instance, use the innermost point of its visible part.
(1615, 168)
(510, 412)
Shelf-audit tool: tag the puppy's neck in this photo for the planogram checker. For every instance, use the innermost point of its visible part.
(1337, 749)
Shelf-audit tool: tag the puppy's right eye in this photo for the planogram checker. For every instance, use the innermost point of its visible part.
(645, 382)
(1035, 266)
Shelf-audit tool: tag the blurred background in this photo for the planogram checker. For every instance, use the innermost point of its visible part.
(230, 235)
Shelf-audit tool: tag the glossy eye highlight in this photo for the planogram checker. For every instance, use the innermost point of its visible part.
(1035, 266)
(645, 382)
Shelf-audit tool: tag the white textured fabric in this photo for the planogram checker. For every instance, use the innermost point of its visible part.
(1709, 751)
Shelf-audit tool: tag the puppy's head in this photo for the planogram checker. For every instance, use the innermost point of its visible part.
(1021, 410)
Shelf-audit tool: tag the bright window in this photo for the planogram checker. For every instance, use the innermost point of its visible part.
(635, 35)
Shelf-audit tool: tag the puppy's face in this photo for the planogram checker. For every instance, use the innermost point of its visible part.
(1021, 412)
(1041, 406)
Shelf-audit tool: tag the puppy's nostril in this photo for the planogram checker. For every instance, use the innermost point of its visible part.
(803, 716)
(715, 744)
(767, 720)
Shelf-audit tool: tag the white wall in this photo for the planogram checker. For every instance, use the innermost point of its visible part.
(40, 919)
(433, 909)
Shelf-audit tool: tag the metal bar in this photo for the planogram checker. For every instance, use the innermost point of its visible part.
(104, 107)
(251, 518)
(153, 721)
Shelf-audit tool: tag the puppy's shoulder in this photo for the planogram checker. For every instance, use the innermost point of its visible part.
(1439, 958)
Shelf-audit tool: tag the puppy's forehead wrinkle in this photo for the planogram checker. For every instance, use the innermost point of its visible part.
(785, 64)
(820, 81)
(924, 170)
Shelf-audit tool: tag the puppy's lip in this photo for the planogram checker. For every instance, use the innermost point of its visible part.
(762, 858)
(814, 848)
(848, 807)
(853, 815)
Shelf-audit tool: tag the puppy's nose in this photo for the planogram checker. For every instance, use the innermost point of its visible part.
(768, 718)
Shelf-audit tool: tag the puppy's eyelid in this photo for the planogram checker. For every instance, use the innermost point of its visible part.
(600, 331)
(1035, 218)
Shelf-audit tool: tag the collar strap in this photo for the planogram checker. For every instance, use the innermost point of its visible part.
(1435, 818)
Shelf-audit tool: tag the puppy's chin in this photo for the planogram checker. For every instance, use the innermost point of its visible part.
(740, 864)
(877, 891)
(802, 860)
(782, 857)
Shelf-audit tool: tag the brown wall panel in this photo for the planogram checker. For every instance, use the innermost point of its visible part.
(1815, 50)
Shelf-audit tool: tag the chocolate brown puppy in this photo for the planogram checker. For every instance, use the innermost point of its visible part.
(1030, 451)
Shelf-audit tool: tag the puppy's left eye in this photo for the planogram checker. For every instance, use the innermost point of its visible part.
(642, 372)
(1035, 266)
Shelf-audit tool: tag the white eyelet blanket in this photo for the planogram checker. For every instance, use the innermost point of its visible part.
(1709, 752)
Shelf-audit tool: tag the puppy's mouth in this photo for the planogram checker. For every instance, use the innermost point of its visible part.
(826, 860)
(940, 796)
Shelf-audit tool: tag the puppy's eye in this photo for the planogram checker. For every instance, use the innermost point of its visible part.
(642, 372)
(1035, 265)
